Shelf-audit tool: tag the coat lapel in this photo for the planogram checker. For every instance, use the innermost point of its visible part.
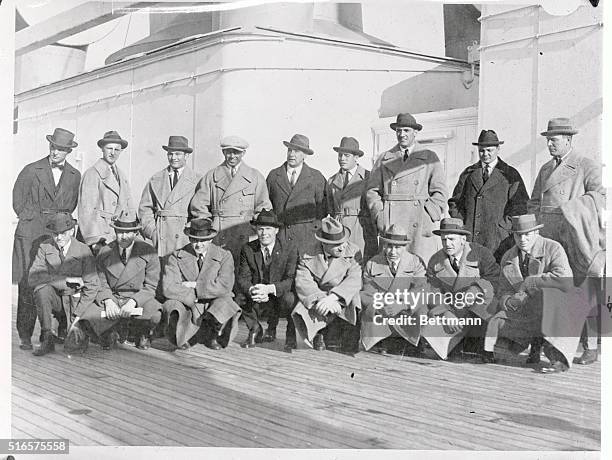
(277, 263)
(186, 183)
(108, 179)
(282, 180)
(476, 177)
(495, 178)
(113, 262)
(188, 264)
(45, 176)
(468, 269)
(303, 180)
(258, 256)
(394, 161)
(536, 259)
(240, 181)
(566, 170)
(222, 179)
(336, 267)
(160, 184)
(136, 264)
(381, 273)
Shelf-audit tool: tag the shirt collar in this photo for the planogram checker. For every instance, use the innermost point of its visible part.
(297, 169)
(65, 248)
(270, 247)
(171, 170)
(565, 156)
(490, 165)
(351, 172)
(236, 168)
(61, 164)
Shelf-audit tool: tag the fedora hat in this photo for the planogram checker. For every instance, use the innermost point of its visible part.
(405, 120)
(395, 234)
(559, 126)
(112, 137)
(127, 221)
(200, 229)
(452, 225)
(525, 223)
(62, 138)
(60, 222)
(349, 145)
(267, 218)
(234, 142)
(299, 142)
(179, 143)
(332, 231)
(488, 138)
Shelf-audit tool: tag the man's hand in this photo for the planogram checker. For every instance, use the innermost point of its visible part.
(329, 304)
(112, 309)
(189, 284)
(517, 300)
(260, 293)
(127, 308)
(451, 328)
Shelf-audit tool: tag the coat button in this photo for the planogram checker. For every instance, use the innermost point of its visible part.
(415, 225)
(478, 215)
(240, 199)
(114, 203)
(416, 203)
(394, 183)
(416, 182)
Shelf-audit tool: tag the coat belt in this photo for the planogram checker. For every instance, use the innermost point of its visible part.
(105, 213)
(403, 197)
(54, 211)
(169, 213)
(346, 212)
(550, 210)
(224, 214)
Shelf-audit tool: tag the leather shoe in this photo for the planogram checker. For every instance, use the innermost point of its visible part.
(318, 343)
(253, 338)
(270, 335)
(555, 367)
(143, 342)
(289, 346)
(108, 340)
(487, 357)
(534, 357)
(46, 346)
(213, 344)
(588, 357)
(26, 345)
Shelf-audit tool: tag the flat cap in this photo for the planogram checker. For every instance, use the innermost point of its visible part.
(234, 142)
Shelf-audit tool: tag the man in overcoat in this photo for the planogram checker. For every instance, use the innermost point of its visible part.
(231, 194)
(266, 280)
(42, 189)
(347, 197)
(197, 283)
(568, 199)
(104, 193)
(487, 194)
(164, 205)
(465, 274)
(128, 269)
(408, 188)
(535, 279)
(299, 194)
(64, 279)
(393, 270)
(327, 282)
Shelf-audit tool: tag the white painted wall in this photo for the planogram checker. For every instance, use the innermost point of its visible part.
(525, 83)
(270, 89)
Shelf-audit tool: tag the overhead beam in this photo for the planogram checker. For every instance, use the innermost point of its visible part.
(71, 22)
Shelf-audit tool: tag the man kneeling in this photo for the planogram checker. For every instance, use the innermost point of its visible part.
(327, 282)
(129, 272)
(198, 281)
(64, 278)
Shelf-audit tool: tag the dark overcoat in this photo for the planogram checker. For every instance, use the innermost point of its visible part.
(35, 197)
(486, 207)
(301, 207)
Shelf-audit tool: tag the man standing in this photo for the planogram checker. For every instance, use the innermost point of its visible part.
(487, 194)
(298, 194)
(104, 193)
(266, 279)
(408, 188)
(393, 270)
(164, 205)
(197, 282)
(469, 273)
(568, 199)
(347, 197)
(129, 272)
(327, 282)
(64, 279)
(231, 195)
(529, 269)
(42, 189)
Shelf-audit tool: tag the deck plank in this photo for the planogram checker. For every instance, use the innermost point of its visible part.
(263, 397)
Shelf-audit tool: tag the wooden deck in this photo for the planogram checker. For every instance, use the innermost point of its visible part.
(264, 397)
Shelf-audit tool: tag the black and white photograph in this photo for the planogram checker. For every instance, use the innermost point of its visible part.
(308, 228)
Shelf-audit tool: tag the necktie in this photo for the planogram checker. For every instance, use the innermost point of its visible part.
(346, 179)
(61, 254)
(557, 161)
(233, 170)
(200, 262)
(393, 268)
(266, 256)
(485, 173)
(406, 153)
(115, 173)
(455, 264)
(293, 177)
(525, 265)
(124, 256)
(58, 166)
(175, 178)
